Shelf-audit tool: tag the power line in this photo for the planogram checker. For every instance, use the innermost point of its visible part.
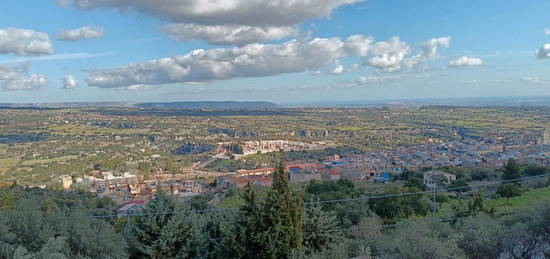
(426, 192)
(329, 201)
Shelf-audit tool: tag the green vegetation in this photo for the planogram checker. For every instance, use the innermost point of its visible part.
(39, 138)
(273, 223)
(531, 196)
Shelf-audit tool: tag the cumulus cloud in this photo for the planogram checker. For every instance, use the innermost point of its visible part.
(84, 33)
(547, 31)
(24, 42)
(252, 60)
(337, 70)
(544, 51)
(69, 82)
(222, 12)
(430, 51)
(388, 55)
(359, 45)
(18, 78)
(255, 60)
(465, 62)
(223, 22)
(228, 34)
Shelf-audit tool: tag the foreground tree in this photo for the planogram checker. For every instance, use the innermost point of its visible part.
(271, 228)
(320, 229)
(426, 238)
(158, 232)
(511, 170)
(509, 190)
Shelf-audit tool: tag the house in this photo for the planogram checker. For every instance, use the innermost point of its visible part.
(432, 178)
(255, 172)
(66, 181)
(265, 180)
(331, 174)
(302, 173)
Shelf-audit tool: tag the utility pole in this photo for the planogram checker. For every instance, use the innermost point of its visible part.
(434, 186)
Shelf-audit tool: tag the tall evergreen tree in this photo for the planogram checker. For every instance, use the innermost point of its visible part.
(511, 170)
(159, 233)
(271, 228)
(319, 229)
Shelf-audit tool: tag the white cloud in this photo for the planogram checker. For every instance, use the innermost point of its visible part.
(83, 33)
(69, 82)
(359, 45)
(388, 55)
(60, 56)
(136, 88)
(465, 62)
(534, 80)
(24, 42)
(353, 67)
(254, 60)
(18, 78)
(544, 51)
(547, 31)
(222, 12)
(430, 51)
(337, 70)
(223, 22)
(228, 34)
(431, 46)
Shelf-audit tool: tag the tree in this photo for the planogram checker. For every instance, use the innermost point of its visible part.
(509, 190)
(415, 182)
(283, 211)
(511, 170)
(480, 237)
(427, 238)
(159, 233)
(534, 170)
(460, 186)
(527, 231)
(477, 205)
(271, 228)
(397, 207)
(320, 229)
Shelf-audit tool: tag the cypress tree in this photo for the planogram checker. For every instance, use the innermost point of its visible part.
(271, 228)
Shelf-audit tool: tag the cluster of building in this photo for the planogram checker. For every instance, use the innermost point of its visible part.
(266, 146)
(127, 186)
(329, 169)
(379, 165)
(458, 153)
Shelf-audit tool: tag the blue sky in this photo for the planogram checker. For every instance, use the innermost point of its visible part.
(289, 53)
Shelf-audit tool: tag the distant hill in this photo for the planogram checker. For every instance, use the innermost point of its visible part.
(157, 105)
(210, 105)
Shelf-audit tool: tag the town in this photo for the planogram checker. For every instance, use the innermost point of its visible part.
(377, 166)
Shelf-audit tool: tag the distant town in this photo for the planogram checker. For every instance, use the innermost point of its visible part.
(377, 166)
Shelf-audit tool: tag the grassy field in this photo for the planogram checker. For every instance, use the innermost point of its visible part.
(501, 205)
(48, 161)
(6, 164)
(231, 202)
(69, 129)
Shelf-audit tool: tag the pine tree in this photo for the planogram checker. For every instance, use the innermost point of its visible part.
(319, 229)
(158, 234)
(511, 170)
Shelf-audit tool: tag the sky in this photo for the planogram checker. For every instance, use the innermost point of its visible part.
(285, 51)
